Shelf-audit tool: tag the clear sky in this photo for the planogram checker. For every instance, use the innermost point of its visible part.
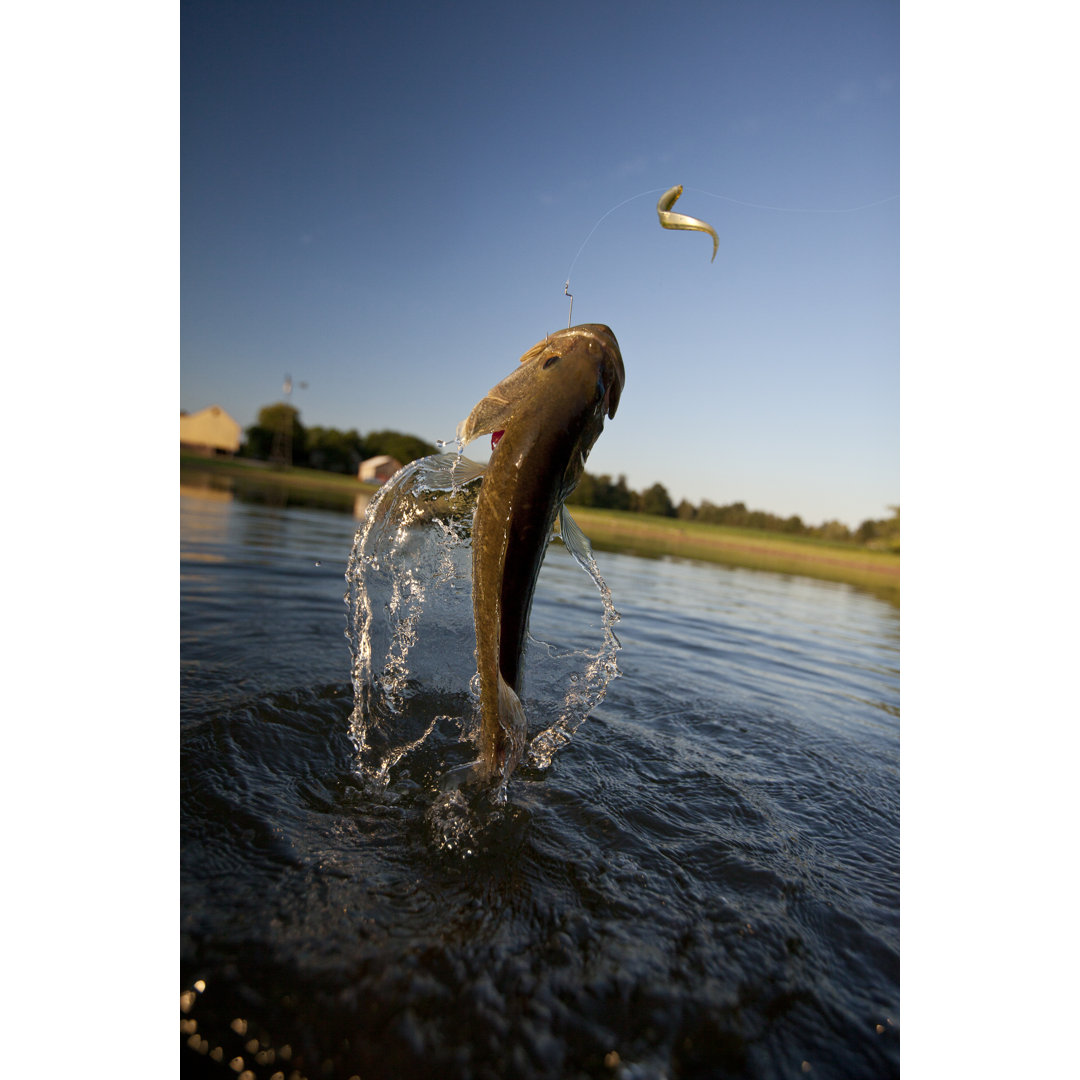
(384, 200)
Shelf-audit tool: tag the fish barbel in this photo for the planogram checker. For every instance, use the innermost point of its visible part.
(544, 419)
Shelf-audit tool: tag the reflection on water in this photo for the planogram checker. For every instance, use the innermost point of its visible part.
(201, 485)
(705, 882)
(267, 490)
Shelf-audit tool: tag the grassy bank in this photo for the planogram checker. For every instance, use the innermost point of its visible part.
(652, 536)
(259, 472)
(612, 530)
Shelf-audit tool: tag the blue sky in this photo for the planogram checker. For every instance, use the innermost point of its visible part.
(384, 201)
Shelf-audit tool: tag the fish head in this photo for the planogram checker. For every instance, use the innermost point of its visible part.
(574, 377)
(584, 363)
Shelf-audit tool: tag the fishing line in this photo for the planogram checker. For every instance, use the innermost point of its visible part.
(795, 209)
(725, 198)
(573, 261)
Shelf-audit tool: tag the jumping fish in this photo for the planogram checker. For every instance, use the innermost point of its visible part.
(543, 419)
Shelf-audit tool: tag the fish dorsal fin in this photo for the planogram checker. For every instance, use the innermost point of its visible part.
(535, 351)
(493, 411)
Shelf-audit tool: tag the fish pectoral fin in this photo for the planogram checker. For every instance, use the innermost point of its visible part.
(576, 542)
(447, 472)
(489, 414)
(497, 406)
(512, 721)
(495, 410)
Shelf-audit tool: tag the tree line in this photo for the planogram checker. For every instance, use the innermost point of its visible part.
(278, 433)
(604, 493)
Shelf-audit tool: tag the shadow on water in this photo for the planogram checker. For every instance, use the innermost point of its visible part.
(704, 882)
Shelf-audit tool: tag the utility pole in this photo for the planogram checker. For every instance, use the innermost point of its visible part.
(281, 450)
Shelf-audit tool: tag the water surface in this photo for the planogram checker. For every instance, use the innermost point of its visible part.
(705, 882)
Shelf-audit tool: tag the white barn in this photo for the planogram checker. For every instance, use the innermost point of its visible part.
(377, 470)
(209, 431)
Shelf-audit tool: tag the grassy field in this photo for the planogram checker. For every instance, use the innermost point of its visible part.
(651, 536)
(610, 530)
(261, 472)
(255, 481)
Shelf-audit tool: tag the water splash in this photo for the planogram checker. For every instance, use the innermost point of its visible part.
(413, 640)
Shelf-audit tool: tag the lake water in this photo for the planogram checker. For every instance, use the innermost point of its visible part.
(704, 883)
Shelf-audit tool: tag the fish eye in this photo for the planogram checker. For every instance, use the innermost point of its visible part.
(551, 360)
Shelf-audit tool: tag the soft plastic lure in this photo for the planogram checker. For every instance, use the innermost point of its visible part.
(670, 220)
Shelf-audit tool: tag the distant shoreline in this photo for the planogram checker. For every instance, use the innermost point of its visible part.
(755, 549)
(646, 535)
(264, 473)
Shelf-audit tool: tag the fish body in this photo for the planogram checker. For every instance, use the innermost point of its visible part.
(544, 419)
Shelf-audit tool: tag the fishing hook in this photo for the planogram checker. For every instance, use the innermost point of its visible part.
(567, 292)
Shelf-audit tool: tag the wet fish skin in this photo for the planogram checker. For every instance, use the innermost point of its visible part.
(551, 411)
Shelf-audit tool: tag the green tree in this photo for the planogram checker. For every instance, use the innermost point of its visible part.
(656, 500)
(599, 491)
(622, 498)
(335, 451)
(277, 428)
(394, 444)
(883, 534)
(833, 530)
(867, 531)
(585, 493)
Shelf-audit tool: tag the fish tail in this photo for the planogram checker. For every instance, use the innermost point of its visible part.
(511, 744)
(461, 775)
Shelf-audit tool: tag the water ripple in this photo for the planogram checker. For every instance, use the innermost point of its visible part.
(704, 883)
